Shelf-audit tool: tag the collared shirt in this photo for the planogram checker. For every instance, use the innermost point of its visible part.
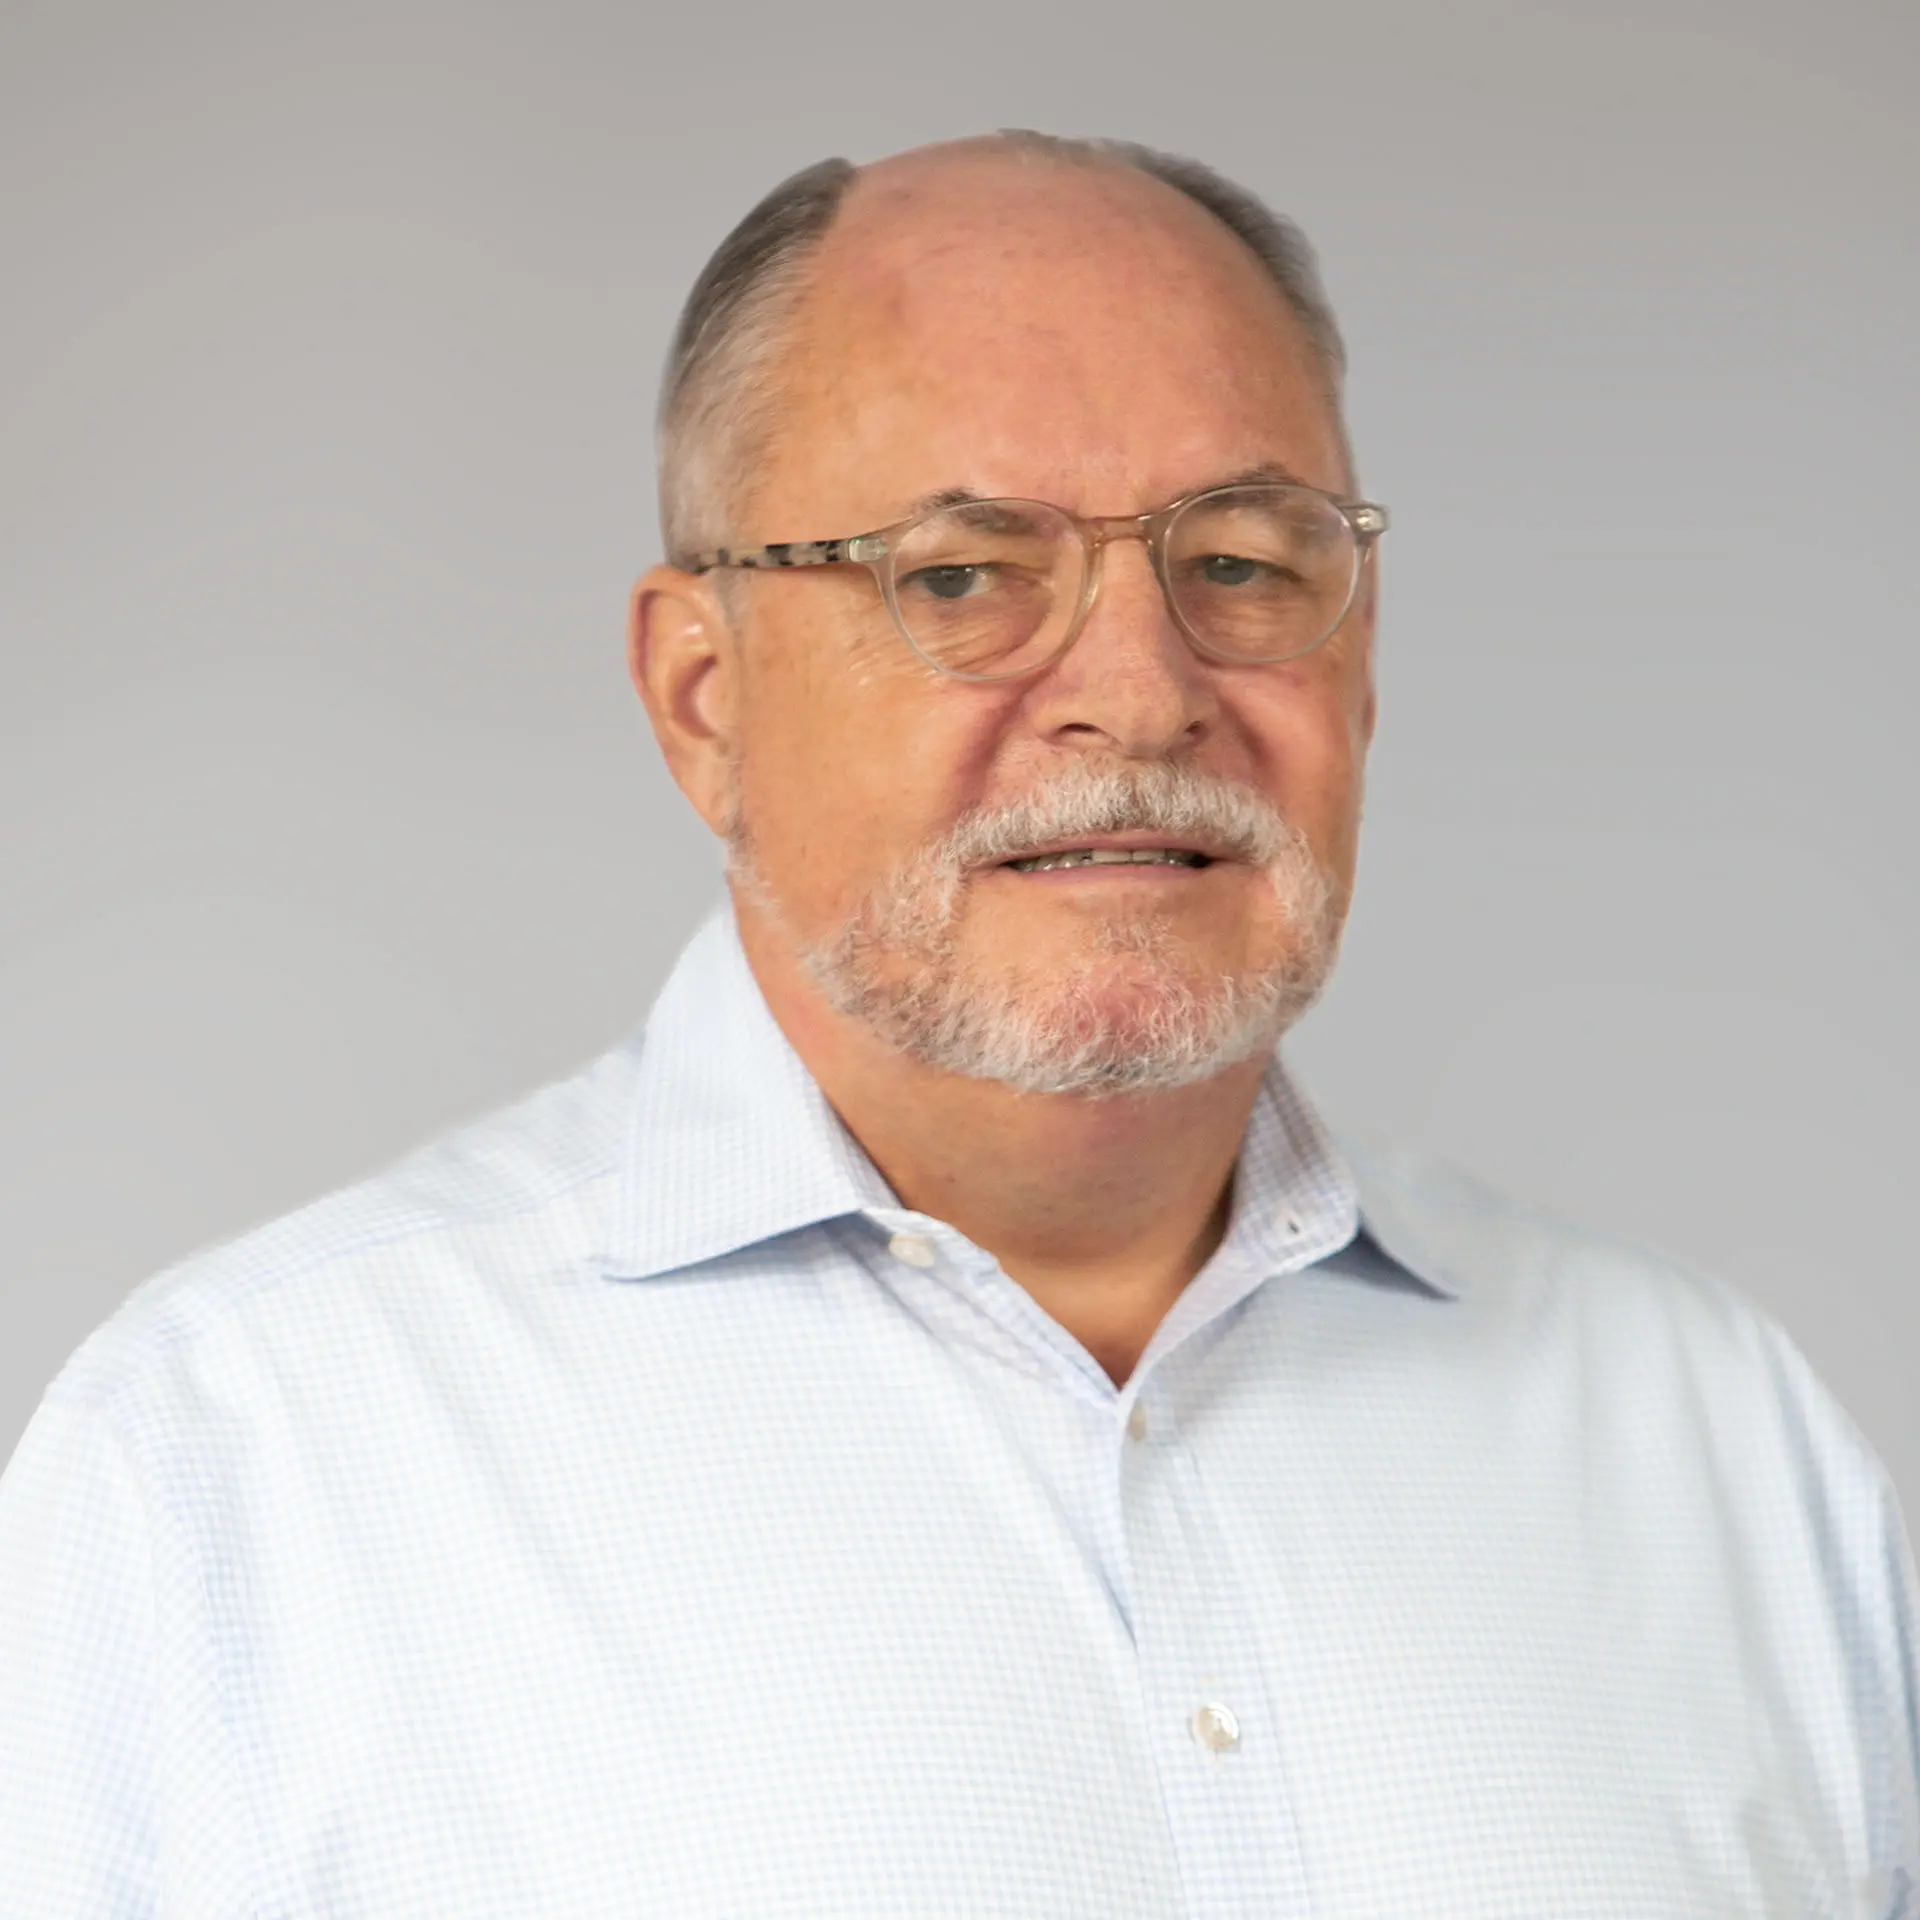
(628, 1508)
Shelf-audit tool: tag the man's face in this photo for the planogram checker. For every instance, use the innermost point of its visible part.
(1087, 338)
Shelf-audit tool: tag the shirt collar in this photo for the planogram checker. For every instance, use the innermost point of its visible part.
(1422, 1216)
(730, 1143)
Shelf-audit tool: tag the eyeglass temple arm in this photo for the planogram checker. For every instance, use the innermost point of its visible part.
(784, 553)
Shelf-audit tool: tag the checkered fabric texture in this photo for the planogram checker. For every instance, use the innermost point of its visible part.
(627, 1508)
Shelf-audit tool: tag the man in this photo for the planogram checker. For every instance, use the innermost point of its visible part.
(936, 1427)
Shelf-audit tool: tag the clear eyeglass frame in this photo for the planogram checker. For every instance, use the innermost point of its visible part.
(879, 550)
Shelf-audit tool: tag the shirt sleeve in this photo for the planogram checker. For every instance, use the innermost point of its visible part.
(115, 1793)
(1899, 1731)
(1873, 1598)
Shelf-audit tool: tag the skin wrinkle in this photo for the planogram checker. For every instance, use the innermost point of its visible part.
(1247, 476)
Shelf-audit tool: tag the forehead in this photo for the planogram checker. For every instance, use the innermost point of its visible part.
(1076, 333)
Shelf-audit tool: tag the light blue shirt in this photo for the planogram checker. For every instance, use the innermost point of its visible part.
(627, 1508)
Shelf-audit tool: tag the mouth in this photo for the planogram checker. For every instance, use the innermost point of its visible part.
(1060, 859)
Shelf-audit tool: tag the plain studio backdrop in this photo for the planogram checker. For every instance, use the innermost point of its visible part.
(327, 360)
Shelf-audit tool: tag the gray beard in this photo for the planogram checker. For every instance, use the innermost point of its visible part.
(898, 967)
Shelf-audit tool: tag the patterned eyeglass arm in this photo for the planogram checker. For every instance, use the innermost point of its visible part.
(785, 553)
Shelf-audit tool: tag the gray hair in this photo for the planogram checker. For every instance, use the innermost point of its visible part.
(718, 399)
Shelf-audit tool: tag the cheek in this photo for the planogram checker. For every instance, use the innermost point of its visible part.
(851, 757)
(810, 792)
(1308, 734)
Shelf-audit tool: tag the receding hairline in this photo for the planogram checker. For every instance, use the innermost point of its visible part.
(907, 199)
(721, 386)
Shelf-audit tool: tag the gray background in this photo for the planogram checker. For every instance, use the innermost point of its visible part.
(326, 360)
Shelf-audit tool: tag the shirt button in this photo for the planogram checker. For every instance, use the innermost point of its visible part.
(1137, 1422)
(915, 1249)
(1215, 1727)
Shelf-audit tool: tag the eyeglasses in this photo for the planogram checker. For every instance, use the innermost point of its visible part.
(992, 589)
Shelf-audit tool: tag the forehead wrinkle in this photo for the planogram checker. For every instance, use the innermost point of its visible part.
(856, 362)
(1261, 472)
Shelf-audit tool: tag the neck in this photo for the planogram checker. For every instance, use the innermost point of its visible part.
(1102, 1207)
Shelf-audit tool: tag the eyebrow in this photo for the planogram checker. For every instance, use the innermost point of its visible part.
(1265, 470)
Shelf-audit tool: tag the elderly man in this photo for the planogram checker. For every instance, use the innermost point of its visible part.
(936, 1426)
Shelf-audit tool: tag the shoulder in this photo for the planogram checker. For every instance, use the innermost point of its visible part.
(1650, 1329)
(528, 1182)
(1698, 1433)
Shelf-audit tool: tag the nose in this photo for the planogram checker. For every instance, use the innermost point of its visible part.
(1129, 684)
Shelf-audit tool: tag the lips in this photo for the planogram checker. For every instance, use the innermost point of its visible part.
(1109, 857)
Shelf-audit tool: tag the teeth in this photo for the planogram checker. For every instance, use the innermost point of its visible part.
(1109, 857)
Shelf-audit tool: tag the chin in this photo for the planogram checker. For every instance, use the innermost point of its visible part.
(1098, 1023)
(1102, 1033)
(1142, 959)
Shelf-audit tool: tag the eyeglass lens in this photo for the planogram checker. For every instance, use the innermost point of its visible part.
(990, 588)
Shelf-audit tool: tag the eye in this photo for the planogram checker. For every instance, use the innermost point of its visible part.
(1241, 570)
(949, 583)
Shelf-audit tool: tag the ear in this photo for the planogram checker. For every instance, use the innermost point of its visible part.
(684, 661)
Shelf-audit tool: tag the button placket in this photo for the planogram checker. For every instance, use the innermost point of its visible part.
(1213, 1742)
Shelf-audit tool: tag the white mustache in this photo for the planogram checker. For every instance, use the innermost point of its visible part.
(1196, 809)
